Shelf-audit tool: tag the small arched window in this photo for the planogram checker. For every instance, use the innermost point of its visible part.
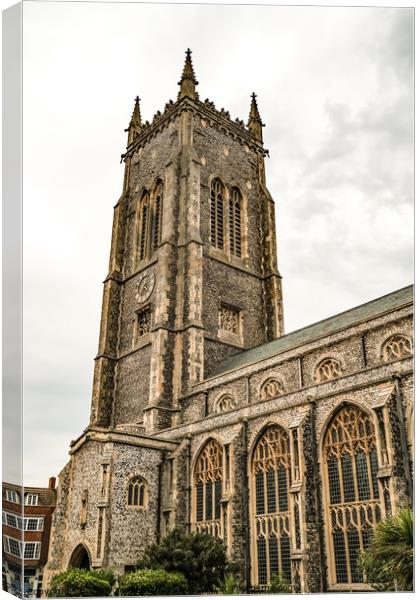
(157, 214)
(397, 347)
(144, 226)
(351, 467)
(224, 403)
(327, 370)
(271, 388)
(235, 222)
(137, 492)
(208, 477)
(217, 217)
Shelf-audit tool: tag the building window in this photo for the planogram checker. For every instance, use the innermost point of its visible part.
(137, 492)
(397, 347)
(224, 403)
(144, 226)
(235, 223)
(12, 496)
(208, 477)
(271, 505)
(29, 524)
(31, 499)
(29, 550)
(327, 370)
(351, 466)
(271, 388)
(217, 216)
(144, 322)
(157, 214)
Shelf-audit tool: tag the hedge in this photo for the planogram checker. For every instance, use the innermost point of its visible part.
(152, 582)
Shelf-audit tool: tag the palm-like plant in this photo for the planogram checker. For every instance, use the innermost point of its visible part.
(388, 561)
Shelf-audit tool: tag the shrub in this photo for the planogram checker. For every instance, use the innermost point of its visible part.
(200, 557)
(152, 582)
(279, 585)
(77, 583)
(230, 585)
(105, 574)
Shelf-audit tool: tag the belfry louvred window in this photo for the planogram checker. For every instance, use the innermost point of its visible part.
(235, 225)
(351, 467)
(208, 477)
(271, 505)
(150, 221)
(226, 219)
(217, 216)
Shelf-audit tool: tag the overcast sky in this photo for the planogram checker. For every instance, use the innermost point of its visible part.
(335, 89)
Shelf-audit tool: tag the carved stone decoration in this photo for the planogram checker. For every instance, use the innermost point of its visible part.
(397, 347)
(327, 370)
(271, 388)
(145, 287)
(224, 403)
(229, 319)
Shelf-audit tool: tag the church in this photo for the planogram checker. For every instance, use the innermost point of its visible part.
(205, 415)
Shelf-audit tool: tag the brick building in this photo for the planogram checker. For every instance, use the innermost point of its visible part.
(205, 415)
(26, 523)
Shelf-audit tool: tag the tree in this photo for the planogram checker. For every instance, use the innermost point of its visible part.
(200, 557)
(388, 561)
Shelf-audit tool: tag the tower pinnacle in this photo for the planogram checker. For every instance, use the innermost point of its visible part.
(255, 123)
(134, 127)
(188, 80)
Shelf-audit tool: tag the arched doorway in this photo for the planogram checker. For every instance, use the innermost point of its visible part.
(80, 558)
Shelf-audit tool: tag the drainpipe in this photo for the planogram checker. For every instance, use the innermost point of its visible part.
(318, 505)
(159, 495)
(403, 435)
(188, 484)
(245, 504)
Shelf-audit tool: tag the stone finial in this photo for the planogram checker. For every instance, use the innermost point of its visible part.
(134, 127)
(255, 123)
(188, 80)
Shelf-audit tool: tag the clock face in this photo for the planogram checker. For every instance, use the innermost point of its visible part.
(145, 287)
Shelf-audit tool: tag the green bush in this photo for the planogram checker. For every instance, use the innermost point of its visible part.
(105, 574)
(230, 586)
(152, 582)
(200, 557)
(77, 583)
(279, 585)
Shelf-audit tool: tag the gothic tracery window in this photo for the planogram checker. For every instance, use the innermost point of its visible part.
(137, 492)
(327, 370)
(271, 388)
(208, 477)
(271, 507)
(397, 347)
(226, 218)
(351, 466)
(229, 319)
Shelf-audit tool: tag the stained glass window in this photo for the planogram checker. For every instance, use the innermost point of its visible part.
(351, 465)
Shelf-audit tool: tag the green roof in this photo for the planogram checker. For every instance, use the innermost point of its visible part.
(343, 320)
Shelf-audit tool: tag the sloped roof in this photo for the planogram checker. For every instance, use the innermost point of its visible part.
(343, 320)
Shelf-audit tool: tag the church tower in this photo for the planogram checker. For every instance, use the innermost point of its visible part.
(193, 275)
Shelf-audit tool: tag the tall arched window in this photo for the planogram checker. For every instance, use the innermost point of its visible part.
(217, 217)
(235, 222)
(144, 217)
(137, 492)
(271, 504)
(351, 466)
(157, 214)
(208, 476)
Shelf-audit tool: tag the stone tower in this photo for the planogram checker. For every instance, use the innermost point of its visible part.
(193, 275)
